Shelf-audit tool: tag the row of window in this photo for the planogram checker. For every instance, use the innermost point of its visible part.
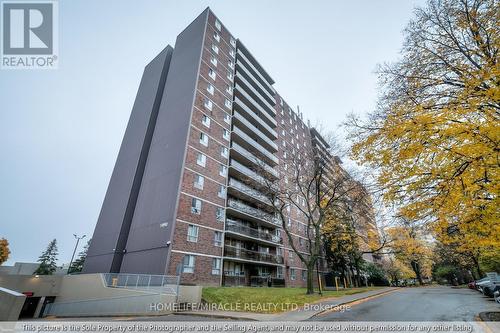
(201, 160)
(188, 265)
(196, 207)
(204, 137)
(193, 232)
(189, 261)
(218, 26)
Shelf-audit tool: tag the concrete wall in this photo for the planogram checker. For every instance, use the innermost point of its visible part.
(154, 216)
(11, 303)
(44, 285)
(111, 233)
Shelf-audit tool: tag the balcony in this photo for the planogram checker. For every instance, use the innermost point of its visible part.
(242, 69)
(234, 227)
(247, 193)
(255, 93)
(249, 213)
(243, 155)
(240, 56)
(255, 119)
(244, 124)
(245, 173)
(250, 144)
(268, 117)
(253, 256)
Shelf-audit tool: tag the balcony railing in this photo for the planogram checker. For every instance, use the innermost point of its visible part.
(252, 158)
(256, 94)
(249, 191)
(247, 139)
(239, 253)
(253, 103)
(247, 62)
(241, 106)
(236, 227)
(247, 172)
(265, 139)
(253, 212)
(251, 77)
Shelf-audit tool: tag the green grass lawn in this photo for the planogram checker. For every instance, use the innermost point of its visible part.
(268, 300)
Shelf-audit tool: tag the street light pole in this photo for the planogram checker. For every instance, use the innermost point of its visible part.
(74, 251)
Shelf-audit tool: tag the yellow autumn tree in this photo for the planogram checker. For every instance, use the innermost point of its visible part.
(434, 139)
(4, 250)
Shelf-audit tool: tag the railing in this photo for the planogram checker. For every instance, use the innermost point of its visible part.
(164, 284)
(252, 77)
(255, 144)
(264, 103)
(242, 106)
(254, 212)
(257, 161)
(255, 130)
(235, 226)
(270, 117)
(233, 280)
(255, 70)
(236, 252)
(247, 171)
(249, 191)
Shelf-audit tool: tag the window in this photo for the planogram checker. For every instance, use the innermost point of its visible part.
(192, 233)
(224, 152)
(210, 89)
(230, 76)
(216, 36)
(292, 274)
(211, 73)
(304, 275)
(301, 241)
(227, 118)
(188, 264)
(223, 170)
(205, 121)
(219, 214)
(230, 64)
(199, 181)
(233, 42)
(218, 238)
(204, 139)
(201, 160)
(227, 103)
(225, 134)
(283, 132)
(216, 266)
(215, 48)
(213, 60)
(222, 192)
(281, 102)
(232, 53)
(195, 208)
(290, 256)
(279, 272)
(217, 25)
(229, 89)
(208, 104)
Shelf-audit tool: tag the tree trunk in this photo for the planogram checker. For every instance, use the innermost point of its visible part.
(478, 267)
(310, 279)
(416, 268)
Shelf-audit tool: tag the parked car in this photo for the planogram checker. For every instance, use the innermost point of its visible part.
(472, 285)
(496, 294)
(490, 288)
(479, 283)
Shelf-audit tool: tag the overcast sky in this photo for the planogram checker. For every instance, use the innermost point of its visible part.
(60, 130)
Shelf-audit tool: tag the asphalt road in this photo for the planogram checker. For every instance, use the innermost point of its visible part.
(417, 304)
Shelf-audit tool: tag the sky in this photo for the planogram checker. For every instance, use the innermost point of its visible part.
(60, 130)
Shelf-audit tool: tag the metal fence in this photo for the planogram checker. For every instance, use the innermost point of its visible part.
(163, 284)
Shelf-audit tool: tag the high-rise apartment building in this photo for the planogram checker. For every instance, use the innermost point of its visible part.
(184, 194)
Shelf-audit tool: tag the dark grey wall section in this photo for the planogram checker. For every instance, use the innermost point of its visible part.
(154, 216)
(112, 229)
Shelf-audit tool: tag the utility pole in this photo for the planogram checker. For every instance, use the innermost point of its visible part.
(74, 251)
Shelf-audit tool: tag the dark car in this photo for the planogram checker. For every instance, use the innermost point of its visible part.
(496, 294)
(489, 289)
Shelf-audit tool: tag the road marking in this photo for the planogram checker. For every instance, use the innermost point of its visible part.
(359, 301)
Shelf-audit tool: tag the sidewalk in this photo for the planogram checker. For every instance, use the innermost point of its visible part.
(296, 315)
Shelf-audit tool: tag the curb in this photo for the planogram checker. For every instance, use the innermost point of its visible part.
(356, 300)
(213, 316)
